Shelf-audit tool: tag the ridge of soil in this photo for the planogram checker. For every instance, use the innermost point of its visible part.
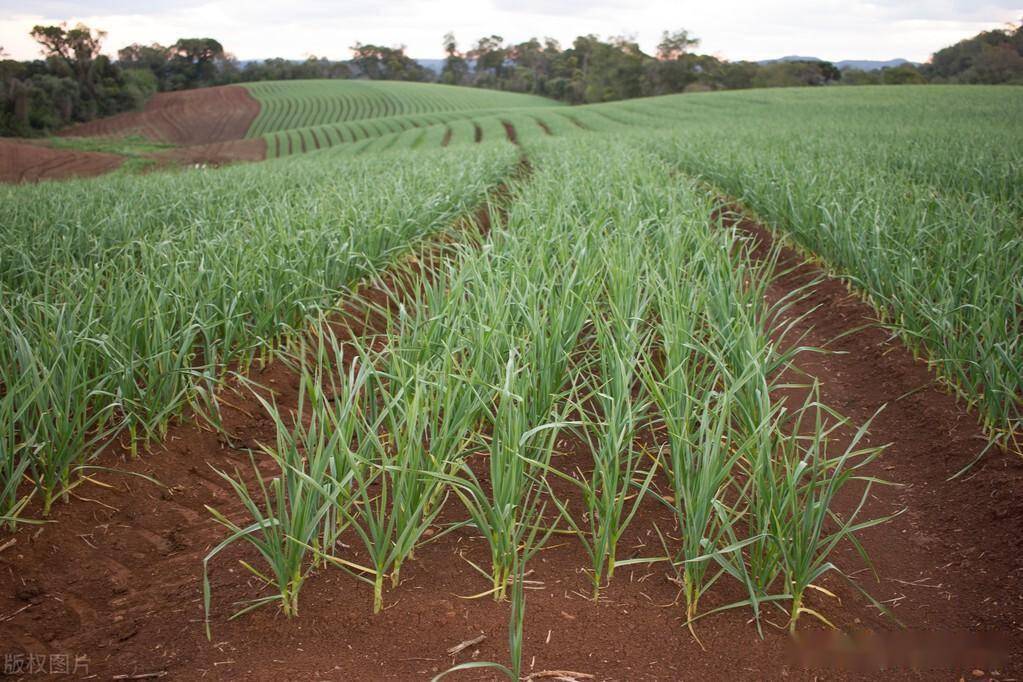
(117, 577)
(27, 162)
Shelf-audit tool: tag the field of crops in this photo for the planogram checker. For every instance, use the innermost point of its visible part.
(469, 366)
(916, 200)
(301, 116)
(938, 189)
(115, 330)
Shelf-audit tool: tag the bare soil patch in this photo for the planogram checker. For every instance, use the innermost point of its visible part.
(117, 577)
(208, 124)
(510, 132)
(215, 154)
(188, 117)
(26, 162)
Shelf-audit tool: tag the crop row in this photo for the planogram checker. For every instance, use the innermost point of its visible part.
(606, 311)
(914, 197)
(117, 314)
(911, 195)
(302, 104)
(426, 131)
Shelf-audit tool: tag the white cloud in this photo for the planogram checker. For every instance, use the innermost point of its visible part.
(734, 29)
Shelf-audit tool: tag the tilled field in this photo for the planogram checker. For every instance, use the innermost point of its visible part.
(189, 117)
(26, 162)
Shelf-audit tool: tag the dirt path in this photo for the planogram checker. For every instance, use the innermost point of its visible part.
(117, 578)
(510, 132)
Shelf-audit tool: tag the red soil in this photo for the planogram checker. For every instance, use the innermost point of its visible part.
(188, 117)
(117, 577)
(208, 124)
(216, 153)
(510, 132)
(26, 162)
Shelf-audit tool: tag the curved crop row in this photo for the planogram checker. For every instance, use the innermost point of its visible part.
(416, 131)
(302, 104)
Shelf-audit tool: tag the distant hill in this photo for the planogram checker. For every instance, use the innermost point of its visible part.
(864, 64)
(435, 65)
(790, 58)
(872, 65)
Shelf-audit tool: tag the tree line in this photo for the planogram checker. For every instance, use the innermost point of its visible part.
(75, 82)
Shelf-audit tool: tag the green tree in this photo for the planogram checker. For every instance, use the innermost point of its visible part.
(675, 44)
(490, 55)
(988, 57)
(675, 68)
(736, 75)
(75, 48)
(904, 74)
(377, 62)
(194, 62)
(860, 77)
(789, 74)
(456, 68)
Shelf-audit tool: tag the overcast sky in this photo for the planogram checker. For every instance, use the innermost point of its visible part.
(731, 29)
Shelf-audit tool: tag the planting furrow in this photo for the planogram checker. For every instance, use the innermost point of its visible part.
(510, 132)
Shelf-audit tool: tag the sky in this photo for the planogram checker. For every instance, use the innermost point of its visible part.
(729, 29)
